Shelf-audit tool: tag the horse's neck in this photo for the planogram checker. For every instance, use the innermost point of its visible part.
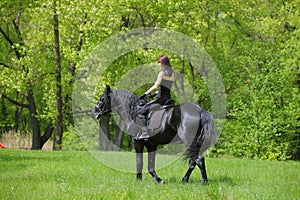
(120, 104)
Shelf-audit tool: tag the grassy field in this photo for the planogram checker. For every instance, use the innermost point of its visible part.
(78, 175)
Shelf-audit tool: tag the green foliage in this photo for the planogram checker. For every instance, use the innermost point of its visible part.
(72, 141)
(263, 120)
(255, 45)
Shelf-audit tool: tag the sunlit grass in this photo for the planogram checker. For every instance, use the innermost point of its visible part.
(78, 175)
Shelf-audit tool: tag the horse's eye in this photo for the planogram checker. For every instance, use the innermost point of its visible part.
(99, 104)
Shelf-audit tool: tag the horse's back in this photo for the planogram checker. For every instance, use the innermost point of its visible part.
(189, 111)
(190, 107)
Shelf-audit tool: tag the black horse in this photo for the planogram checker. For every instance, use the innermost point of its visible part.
(188, 122)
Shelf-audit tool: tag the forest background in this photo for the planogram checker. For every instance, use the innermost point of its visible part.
(255, 45)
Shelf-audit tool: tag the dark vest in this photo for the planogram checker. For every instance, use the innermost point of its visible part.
(164, 92)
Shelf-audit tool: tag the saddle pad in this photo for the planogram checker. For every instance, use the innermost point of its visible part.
(155, 120)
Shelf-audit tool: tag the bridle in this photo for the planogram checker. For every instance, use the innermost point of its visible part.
(106, 104)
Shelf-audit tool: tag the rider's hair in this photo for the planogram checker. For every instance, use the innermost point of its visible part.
(164, 60)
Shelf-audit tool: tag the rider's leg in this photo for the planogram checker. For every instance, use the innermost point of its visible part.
(144, 112)
(143, 134)
(143, 118)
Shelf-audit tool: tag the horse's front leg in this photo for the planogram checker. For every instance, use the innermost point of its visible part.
(139, 147)
(151, 164)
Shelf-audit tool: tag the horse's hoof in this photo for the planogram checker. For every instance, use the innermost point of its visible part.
(162, 182)
(205, 182)
(139, 176)
(185, 180)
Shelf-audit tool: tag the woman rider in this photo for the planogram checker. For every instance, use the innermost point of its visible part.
(163, 84)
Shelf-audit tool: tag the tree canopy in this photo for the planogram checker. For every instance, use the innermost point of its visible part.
(254, 44)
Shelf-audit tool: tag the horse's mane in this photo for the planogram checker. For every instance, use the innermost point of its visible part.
(132, 100)
(122, 93)
(132, 106)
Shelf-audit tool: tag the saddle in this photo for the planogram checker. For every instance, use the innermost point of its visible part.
(152, 120)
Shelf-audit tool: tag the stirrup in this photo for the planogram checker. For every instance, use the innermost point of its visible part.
(142, 135)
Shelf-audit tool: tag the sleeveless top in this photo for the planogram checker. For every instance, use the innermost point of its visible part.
(164, 92)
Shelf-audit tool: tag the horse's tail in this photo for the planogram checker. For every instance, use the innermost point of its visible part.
(205, 136)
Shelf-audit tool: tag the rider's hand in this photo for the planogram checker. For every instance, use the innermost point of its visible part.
(152, 95)
(142, 96)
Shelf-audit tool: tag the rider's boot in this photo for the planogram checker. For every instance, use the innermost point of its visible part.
(143, 134)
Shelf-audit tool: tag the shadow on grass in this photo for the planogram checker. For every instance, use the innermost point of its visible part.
(224, 180)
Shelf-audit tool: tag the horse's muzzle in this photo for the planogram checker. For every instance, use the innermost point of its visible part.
(96, 113)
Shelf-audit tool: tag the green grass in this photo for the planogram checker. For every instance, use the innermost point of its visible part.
(78, 175)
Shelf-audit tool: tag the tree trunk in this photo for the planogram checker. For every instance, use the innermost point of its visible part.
(36, 134)
(59, 118)
(47, 134)
(119, 134)
(3, 117)
(18, 113)
(72, 68)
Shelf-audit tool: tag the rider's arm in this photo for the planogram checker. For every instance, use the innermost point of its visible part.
(157, 82)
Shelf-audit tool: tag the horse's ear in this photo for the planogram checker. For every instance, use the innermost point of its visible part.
(108, 89)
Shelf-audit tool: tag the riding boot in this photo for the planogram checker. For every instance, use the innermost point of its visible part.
(143, 134)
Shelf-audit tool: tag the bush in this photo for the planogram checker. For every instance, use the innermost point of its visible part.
(72, 141)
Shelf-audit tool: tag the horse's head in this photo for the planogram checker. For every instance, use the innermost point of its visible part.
(103, 106)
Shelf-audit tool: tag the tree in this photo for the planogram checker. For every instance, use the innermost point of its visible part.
(254, 45)
(22, 79)
(59, 104)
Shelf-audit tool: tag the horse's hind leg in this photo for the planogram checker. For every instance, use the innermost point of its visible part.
(201, 164)
(192, 164)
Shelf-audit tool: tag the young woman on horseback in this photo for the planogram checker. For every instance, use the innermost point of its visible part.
(163, 86)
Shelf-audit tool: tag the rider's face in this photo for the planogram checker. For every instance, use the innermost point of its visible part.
(160, 66)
